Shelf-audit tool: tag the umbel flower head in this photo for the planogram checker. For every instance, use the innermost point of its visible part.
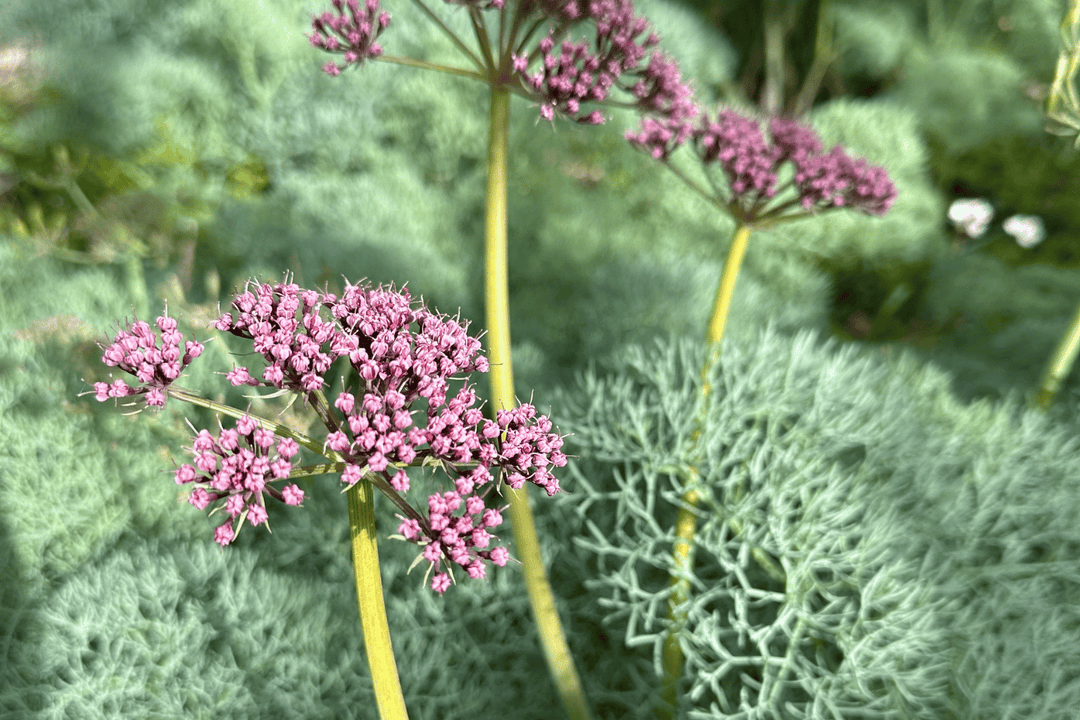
(155, 361)
(398, 409)
(752, 164)
(563, 75)
(352, 32)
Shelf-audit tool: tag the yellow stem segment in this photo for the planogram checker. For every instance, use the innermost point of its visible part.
(369, 593)
(672, 657)
(1060, 364)
(722, 306)
(497, 296)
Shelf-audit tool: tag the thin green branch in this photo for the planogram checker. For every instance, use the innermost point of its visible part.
(480, 30)
(425, 65)
(229, 411)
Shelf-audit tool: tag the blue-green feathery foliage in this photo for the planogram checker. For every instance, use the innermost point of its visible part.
(168, 627)
(993, 107)
(873, 37)
(200, 64)
(637, 299)
(73, 478)
(854, 516)
(196, 91)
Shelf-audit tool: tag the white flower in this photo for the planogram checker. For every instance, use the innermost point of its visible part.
(1028, 230)
(971, 216)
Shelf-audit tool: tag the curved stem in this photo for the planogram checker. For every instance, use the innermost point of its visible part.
(369, 595)
(496, 290)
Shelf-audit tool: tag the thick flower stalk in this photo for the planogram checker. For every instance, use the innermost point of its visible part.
(401, 411)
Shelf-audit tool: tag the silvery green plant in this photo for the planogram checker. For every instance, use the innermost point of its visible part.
(866, 546)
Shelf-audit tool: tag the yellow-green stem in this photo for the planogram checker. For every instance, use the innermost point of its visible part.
(369, 595)
(672, 658)
(1060, 364)
(722, 305)
(497, 296)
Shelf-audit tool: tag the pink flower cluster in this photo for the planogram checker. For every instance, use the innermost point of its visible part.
(821, 181)
(403, 403)
(236, 467)
(572, 74)
(401, 356)
(351, 33)
(136, 352)
(751, 163)
(569, 78)
(735, 141)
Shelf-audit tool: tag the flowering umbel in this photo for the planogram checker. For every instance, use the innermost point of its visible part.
(615, 49)
(399, 410)
(137, 352)
(752, 164)
(351, 33)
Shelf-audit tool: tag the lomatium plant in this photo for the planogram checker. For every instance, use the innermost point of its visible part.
(398, 411)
